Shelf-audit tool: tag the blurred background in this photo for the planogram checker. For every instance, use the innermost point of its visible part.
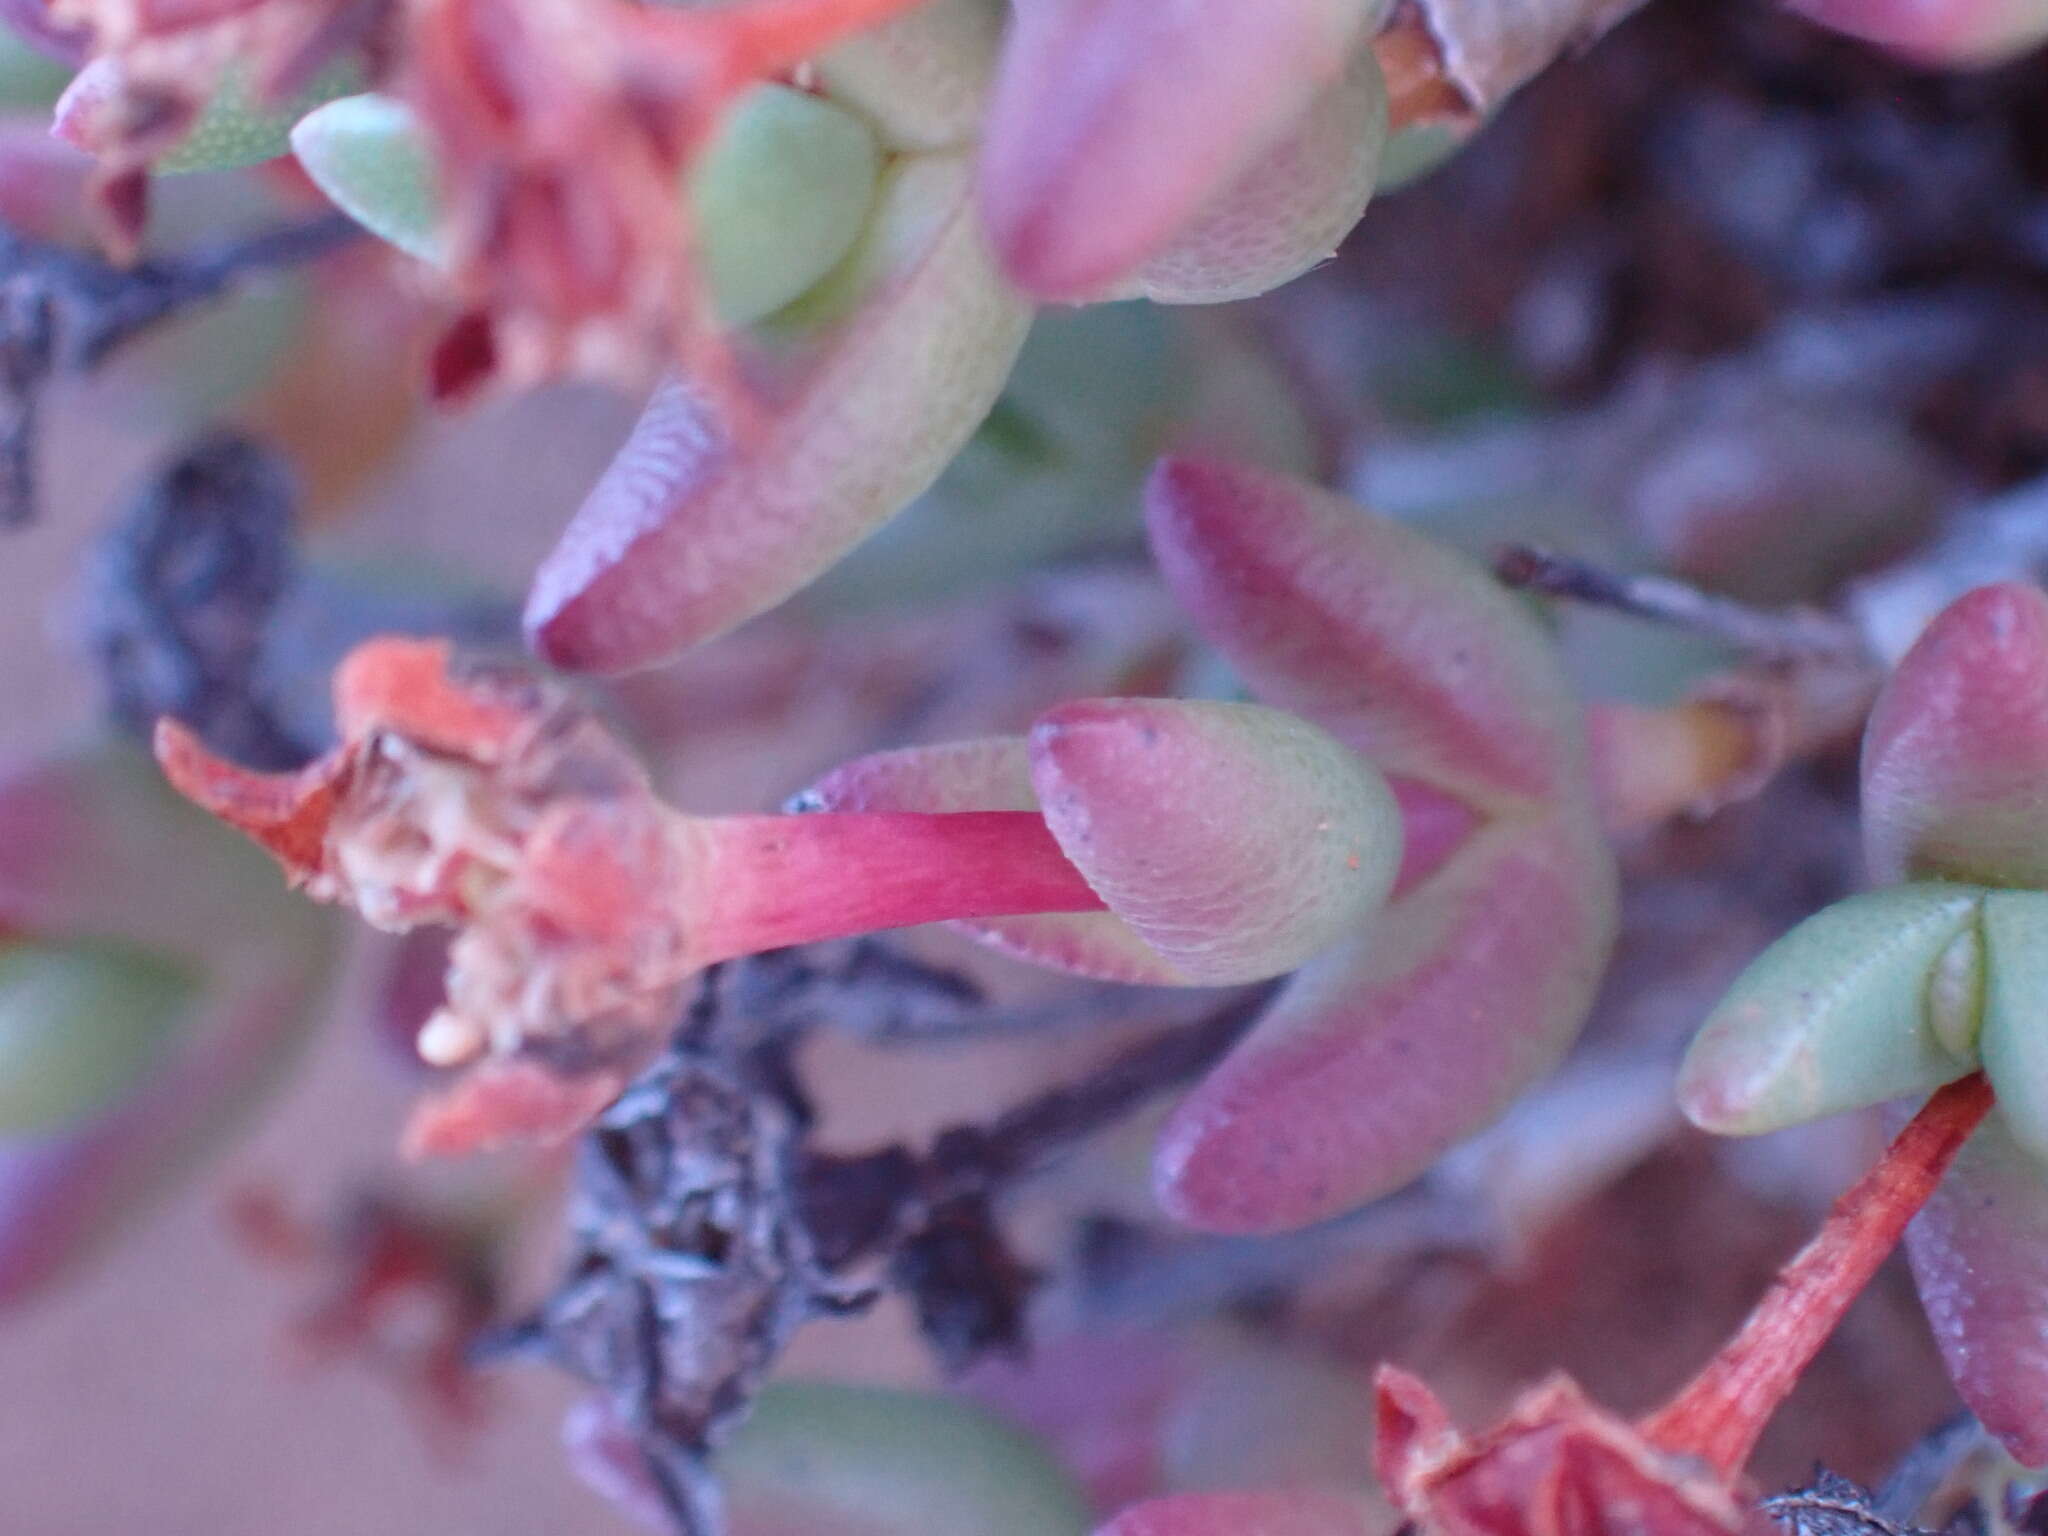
(1729, 298)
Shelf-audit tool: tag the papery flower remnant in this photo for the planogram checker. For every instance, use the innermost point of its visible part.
(1425, 1022)
(481, 799)
(1558, 1461)
(151, 986)
(1919, 983)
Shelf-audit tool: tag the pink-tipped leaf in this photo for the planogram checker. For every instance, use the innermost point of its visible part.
(697, 526)
(1870, 999)
(1979, 1251)
(1955, 758)
(1236, 840)
(1381, 1055)
(1230, 842)
(1398, 646)
(1115, 122)
(1289, 210)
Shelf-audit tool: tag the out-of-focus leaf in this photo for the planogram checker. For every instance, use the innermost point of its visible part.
(1114, 122)
(29, 77)
(1950, 33)
(1286, 212)
(1491, 47)
(94, 846)
(1279, 1512)
(922, 79)
(233, 129)
(366, 153)
(779, 197)
(79, 1024)
(817, 1459)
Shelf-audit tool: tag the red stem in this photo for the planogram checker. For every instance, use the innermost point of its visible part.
(781, 880)
(1718, 1415)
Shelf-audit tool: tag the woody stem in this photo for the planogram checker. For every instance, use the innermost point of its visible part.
(781, 880)
(1718, 1415)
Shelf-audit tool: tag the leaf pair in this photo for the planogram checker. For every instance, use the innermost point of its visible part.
(1900, 990)
(1408, 1027)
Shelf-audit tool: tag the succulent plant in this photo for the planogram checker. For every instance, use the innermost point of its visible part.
(1926, 980)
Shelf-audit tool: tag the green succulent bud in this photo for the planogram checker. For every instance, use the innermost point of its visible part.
(778, 198)
(1873, 998)
(79, 1024)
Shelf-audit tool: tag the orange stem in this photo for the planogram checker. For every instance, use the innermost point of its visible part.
(1718, 1415)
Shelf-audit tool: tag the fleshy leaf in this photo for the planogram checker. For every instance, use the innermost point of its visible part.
(817, 1459)
(80, 1023)
(1382, 1054)
(1279, 1512)
(235, 128)
(694, 529)
(1114, 122)
(779, 196)
(1144, 796)
(1839, 1014)
(1236, 840)
(1955, 758)
(2015, 1035)
(90, 843)
(1396, 645)
(1941, 32)
(367, 154)
(1289, 210)
(922, 79)
(1978, 1250)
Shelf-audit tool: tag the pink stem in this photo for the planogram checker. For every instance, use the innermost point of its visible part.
(782, 880)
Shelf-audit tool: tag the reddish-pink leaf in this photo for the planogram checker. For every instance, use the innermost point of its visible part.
(1955, 760)
(1396, 645)
(1289, 210)
(1236, 840)
(1381, 1055)
(1980, 1255)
